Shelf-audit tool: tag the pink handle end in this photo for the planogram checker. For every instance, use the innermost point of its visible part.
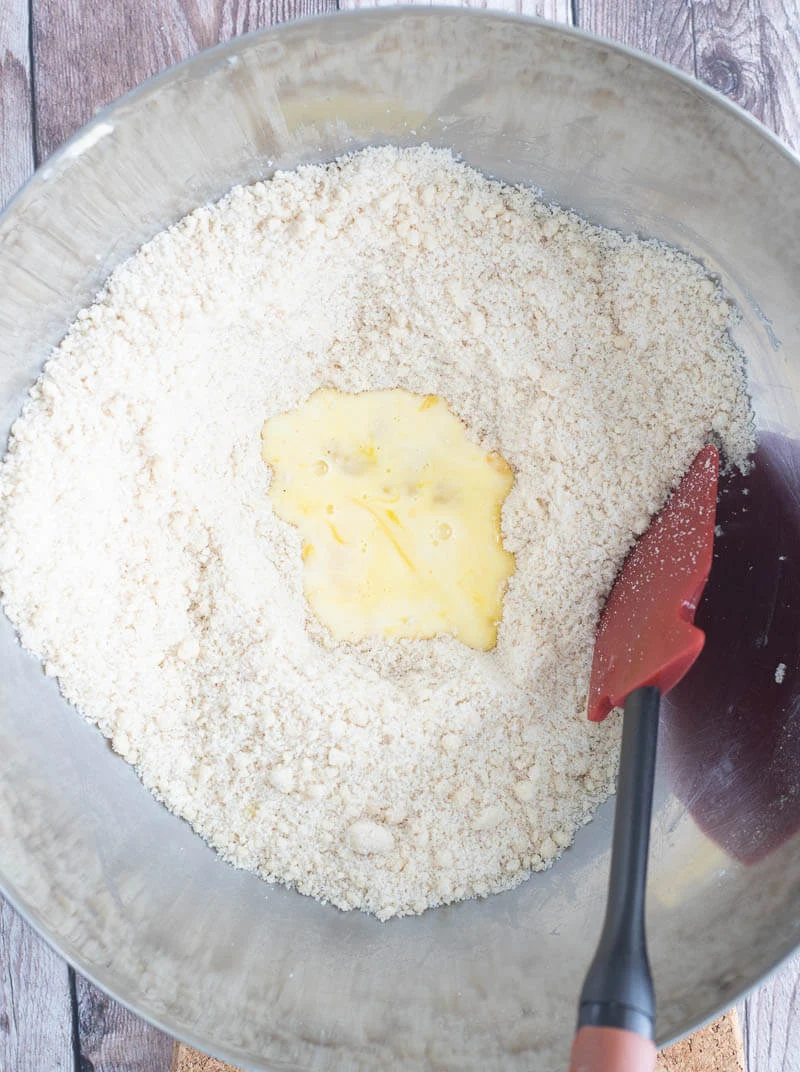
(609, 1049)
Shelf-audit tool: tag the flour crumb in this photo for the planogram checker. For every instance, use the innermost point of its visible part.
(780, 673)
(368, 838)
(141, 559)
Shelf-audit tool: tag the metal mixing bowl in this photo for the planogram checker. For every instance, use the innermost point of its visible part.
(126, 891)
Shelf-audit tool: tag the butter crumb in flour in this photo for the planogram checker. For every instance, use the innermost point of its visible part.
(142, 558)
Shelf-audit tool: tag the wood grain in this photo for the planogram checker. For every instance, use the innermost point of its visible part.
(111, 1039)
(89, 52)
(771, 1026)
(662, 28)
(555, 10)
(16, 141)
(35, 1011)
(750, 51)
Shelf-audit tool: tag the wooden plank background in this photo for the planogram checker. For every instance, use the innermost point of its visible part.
(60, 60)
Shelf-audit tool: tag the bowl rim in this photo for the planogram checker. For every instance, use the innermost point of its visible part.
(88, 134)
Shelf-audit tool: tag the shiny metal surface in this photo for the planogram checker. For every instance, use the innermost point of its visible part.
(260, 975)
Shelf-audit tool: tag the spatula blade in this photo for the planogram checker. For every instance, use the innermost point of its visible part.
(646, 634)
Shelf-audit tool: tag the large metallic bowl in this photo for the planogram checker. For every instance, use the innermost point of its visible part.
(260, 975)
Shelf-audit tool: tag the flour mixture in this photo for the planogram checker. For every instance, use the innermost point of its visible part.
(142, 560)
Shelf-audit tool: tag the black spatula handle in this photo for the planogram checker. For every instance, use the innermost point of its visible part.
(618, 991)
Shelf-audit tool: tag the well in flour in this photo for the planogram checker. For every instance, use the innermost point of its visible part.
(141, 559)
(399, 513)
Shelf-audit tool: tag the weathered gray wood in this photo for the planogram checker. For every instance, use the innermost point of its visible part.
(16, 141)
(113, 1039)
(750, 51)
(555, 10)
(662, 28)
(89, 52)
(771, 1024)
(35, 1011)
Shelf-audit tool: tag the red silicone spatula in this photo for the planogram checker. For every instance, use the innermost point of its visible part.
(646, 641)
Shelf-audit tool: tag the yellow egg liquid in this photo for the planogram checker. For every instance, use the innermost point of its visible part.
(399, 513)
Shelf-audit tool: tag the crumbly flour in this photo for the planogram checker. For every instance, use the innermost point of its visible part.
(140, 557)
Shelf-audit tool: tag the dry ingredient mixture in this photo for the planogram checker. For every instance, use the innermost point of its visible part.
(142, 560)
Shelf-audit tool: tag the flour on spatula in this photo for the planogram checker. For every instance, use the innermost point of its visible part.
(140, 557)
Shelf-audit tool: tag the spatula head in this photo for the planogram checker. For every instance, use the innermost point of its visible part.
(647, 634)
